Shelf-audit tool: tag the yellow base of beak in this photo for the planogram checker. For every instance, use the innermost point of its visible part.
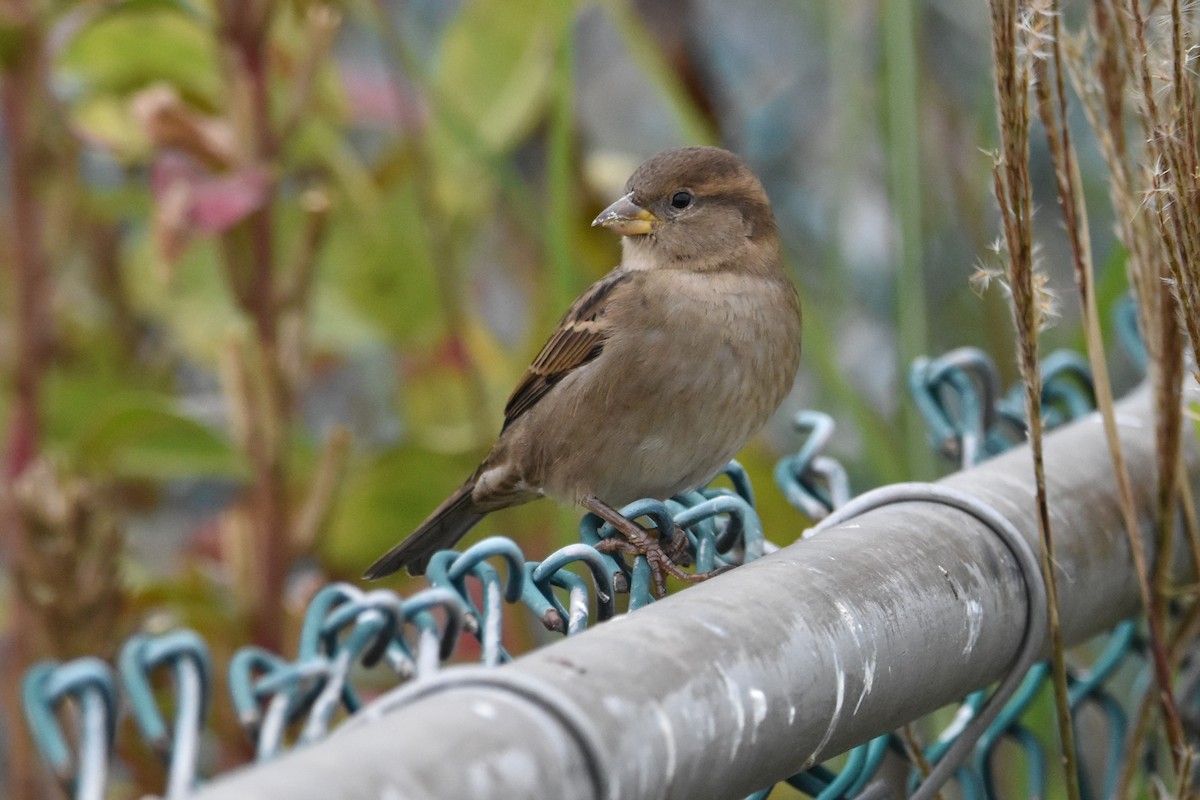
(627, 218)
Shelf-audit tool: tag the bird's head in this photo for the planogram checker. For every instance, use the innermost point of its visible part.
(697, 208)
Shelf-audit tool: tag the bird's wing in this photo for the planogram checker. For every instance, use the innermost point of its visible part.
(579, 338)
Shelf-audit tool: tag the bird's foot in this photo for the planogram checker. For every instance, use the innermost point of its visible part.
(641, 544)
(634, 540)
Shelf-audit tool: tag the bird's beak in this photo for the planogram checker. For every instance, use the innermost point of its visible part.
(627, 218)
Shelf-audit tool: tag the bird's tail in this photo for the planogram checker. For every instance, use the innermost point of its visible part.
(444, 527)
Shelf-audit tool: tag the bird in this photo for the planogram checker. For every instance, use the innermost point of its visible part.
(657, 375)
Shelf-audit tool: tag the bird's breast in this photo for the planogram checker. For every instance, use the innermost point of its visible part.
(694, 367)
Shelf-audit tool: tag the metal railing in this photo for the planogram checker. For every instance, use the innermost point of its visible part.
(765, 672)
(719, 691)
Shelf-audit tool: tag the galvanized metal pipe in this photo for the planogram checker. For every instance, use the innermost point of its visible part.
(746, 679)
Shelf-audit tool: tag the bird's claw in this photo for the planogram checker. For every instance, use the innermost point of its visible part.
(678, 551)
(662, 561)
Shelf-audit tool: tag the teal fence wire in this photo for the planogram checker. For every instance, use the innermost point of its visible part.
(351, 637)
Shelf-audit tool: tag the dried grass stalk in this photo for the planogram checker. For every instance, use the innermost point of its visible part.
(1018, 37)
(1153, 191)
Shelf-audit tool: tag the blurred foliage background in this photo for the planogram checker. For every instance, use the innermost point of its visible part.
(271, 267)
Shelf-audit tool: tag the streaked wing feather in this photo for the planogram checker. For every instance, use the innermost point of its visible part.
(579, 339)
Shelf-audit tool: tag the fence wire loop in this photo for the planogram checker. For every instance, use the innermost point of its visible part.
(957, 395)
(270, 692)
(741, 525)
(343, 626)
(449, 570)
(416, 611)
(326, 617)
(740, 480)
(86, 686)
(812, 482)
(374, 619)
(570, 619)
(588, 556)
(1067, 392)
(822, 783)
(187, 657)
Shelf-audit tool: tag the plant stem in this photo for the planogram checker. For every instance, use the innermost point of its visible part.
(560, 209)
(904, 191)
(1012, 35)
(1052, 108)
(251, 254)
(21, 89)
(646, 53)
(1157, 318)
(1120, 62)
(436, 228)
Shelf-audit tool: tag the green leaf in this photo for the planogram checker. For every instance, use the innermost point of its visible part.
(1112, 284)
(191, 295)
(104, 419)
(494, 77)
(107, 119)
(380, 264)
(131, 45)
(154, 441)
(12, 42)
(385, 497)
(497, 61)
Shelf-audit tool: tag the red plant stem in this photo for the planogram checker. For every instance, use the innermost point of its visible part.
(269, 418)
(20, 86)
(30, 278)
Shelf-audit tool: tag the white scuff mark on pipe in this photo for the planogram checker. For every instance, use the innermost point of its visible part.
(664, 725)
(974, 607)
(974, 624)
(868, 680)
(839, 699)
(855, 626)
(734, 693)
(852, 621)
(484, 709)
(758, 707)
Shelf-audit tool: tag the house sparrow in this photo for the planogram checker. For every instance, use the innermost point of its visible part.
(658, 374)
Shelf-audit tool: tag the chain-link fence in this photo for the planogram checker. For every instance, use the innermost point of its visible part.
(909, 597)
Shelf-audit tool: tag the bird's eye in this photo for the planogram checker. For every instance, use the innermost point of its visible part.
(681, 199)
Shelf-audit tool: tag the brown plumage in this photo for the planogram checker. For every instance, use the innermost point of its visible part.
(660, 372)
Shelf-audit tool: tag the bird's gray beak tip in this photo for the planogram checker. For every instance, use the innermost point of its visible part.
(626, 218)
